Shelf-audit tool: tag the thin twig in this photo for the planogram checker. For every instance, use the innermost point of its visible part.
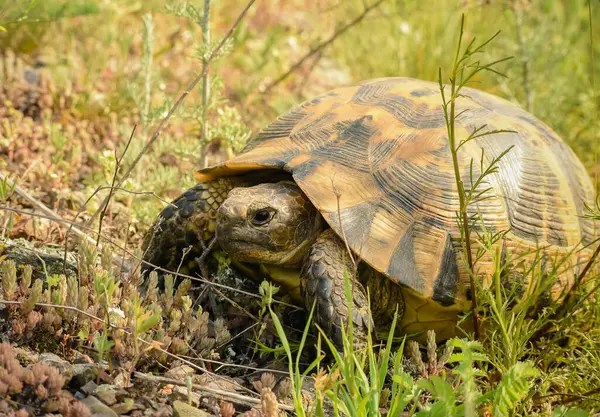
(233, 303)
(573, 397)
(182, 97)
(96, 191)
(339, 213)
(205, 24)
(245, 311)
(200, 260)
(236, 365)
(135, 193)
(212, 392)
(581, 277)
(48, 213)
(525, 59)
(64, 307)
(307, 73)
(192, 364)
(112, 185)
(321, 46)
(185, 252)
(122, 267)
(252, 326)
(593, 81)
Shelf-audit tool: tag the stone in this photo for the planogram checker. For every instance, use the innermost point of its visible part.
(126, 406)
(97, 408)
(181, 409)
(57, 362)
(106, 393)
(82, 374)
(89, 388)
(222, 382)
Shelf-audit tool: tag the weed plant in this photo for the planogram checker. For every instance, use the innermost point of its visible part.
(507, 368)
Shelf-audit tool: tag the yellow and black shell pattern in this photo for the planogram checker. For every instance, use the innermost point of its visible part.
(377, 155)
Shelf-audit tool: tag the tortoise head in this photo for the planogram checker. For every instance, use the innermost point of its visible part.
(272, 223)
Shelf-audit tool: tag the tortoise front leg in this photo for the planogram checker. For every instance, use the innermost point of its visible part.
(322, 283)
(182, 230)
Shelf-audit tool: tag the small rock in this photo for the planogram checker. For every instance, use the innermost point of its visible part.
(32, 77)
(97, 408)
(126, 406)
(181, 409)
(56, 361)
(106, 393)
(82, 374)
(180, 372)
(122, 395)
(89, 387)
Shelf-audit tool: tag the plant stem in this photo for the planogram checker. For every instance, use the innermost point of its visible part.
(593, 81)
(205, 84)
(147, 64)
(525, 60)
(459, 184)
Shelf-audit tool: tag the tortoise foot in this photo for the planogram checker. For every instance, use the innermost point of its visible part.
(323, 285)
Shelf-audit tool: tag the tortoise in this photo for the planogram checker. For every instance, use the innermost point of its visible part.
(367, 168)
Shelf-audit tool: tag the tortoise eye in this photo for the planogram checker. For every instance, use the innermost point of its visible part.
(261, 217)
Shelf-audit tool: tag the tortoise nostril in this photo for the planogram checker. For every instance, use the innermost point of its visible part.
(231, 213)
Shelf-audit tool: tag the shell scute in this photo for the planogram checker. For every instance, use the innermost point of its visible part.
(445, 284)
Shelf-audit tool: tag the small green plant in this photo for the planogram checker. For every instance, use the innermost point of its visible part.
(7, 189)
(463, 71)
(105, 286)
(373, 381)
(515, 385)
(266, 290)
(103, 345)
(216, 119)
(143, 318)
(297, 377)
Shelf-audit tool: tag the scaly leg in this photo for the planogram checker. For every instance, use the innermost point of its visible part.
(323, 284)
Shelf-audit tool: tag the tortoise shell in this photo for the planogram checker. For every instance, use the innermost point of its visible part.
(374, 158)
